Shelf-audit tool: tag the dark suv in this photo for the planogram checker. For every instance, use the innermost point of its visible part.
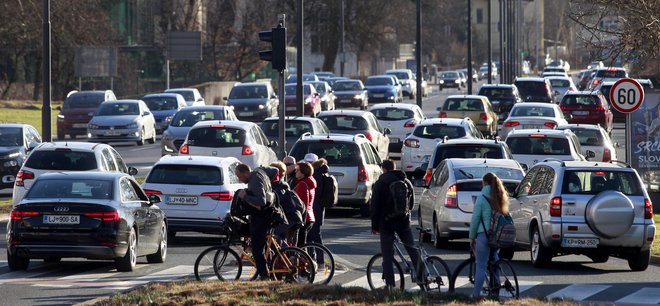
(502, 97)
(77, 111)
(534, 89)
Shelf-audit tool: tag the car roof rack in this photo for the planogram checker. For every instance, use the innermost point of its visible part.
(620, 162)
(561, 162)
(359, 136)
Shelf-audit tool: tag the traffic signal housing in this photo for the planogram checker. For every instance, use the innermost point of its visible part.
(277, 54)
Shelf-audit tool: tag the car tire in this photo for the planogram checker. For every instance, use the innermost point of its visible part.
(540, 255)
(439, 242)
(365, 211)
(640, 260)
(152, 140)
(128, 262)
(599, 258)
(161, 254)
(141, 141)
(16, 262)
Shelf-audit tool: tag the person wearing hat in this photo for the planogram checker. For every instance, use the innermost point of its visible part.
(290, 163)
(311, 158)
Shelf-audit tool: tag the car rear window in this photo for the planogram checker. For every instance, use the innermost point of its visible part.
(392, 114)
(337, 153)
(11, 136)
(611, 74)
(463, 105)
(560, 83)
(379, 81)
(216, 137)
(185, 175)
(478, 185)
(161, 103)
(439, 131)
(494, 93)
(346, 86)
(532, 111)
(575, 100)
(320, 87)
(479, 172)
(118, 109)
(349, 123)
(83, 101)
(538, 145)
(290, 90)
(249, 92)
(71, 188)
(188, 118)
(589, 137)
(188, 95)
(292, 128)
(527, 88)
(62, 160)
(467, 151)
(593, 182)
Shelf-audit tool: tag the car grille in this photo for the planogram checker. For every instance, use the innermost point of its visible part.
(108, 127)
(178, 143)
(378, 90)
(246, 108)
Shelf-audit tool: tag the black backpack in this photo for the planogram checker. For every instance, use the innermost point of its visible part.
(400, 194)
(329, 194)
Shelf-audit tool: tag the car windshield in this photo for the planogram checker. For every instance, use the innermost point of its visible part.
(594, 182)
(185, 175)
(575, 100)
(479, 172)
(71, 189)
(449, 75)
(611, 74)
(379, 81)
(320, 87)
(531, 88)
(439, 130)
(589, 137)
(83, 101)
(188, 95)
(337, 153)
(343, 122)
(63, 159)
(399, 75)
(248, 92)
(532, 111)
(463, 105)
(560, 83)
(216, 137)
(161, 103)
(467, 151)
(346, 86)
(188, 118)
(496, 92)
(393, 114)
(11, 136)
(118, 109)
(290, 90)
(292, 128)
(529, 144)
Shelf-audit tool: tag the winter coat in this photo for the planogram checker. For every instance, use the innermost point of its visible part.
(319, 172)
(259, 191)
(306, 190)
(380, 196)
(481, 211)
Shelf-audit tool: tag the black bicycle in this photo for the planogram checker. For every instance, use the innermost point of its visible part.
(501, 279)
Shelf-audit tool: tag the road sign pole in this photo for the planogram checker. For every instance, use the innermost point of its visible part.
(167, 72)
(628, 126)
(626, 96)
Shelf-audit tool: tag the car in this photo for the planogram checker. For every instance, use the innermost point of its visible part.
(605, 87)
(484, 68)
(477, 108)
(351, 93)
(353, 122)
(324, 75)
(593, 138)
(408, 82)
(195, 192)
(383, 89)
(583, 79)
(311, 98)
(294, 128)
(353, 161)
(595, 65)
(607, 74)
(253, 101)
(532, 116)
(587, 108)
(77, 109)
(328, 98)
(419, 145)
(333, 80)
(122, 121)
(534, 89)
(554, 74)
(560, 86)
(67, 156)
(447, 202)
(163, 106)
(554, 69)
(530, 147)
(475, 74)
(426, 89)
(400, 118)
(559, 63)
(191, 95)
(463, 78)
(293, 78)
(241, 139)
(502, 97)
(590, 208)
(93, 215)
(16, 143)
(449, 79)
(184, 119)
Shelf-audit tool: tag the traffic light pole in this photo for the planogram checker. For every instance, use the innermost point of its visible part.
(281, 152)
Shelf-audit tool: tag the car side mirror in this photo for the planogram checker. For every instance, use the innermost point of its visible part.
(273, 144)
(132, 171)
(524, 167)
(146, 113)
(556, 92)
(154, 199)
(387, 131)
(225, 98)
(617, 145)
(32, 145)
(438, 108)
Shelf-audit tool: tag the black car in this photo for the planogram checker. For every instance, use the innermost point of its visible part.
(253, 101)
(534, 89)
(502, 97)
(94, 215)
(16, 141)
(449, 79)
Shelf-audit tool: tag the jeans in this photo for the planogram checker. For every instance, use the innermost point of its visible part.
(258, 230)
(302, 233)
(314, 234)
(400, 227)
(482, 254)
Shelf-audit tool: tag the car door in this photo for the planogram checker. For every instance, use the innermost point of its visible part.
(371, 161)
(380, 142)
(149, 121)
(133, 206)
(537, 200)
(152, 218)
(518, 203)
(268, 155)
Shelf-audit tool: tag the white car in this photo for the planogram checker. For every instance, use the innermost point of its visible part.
(560, 86)
(531, 115)
(593, 138)
(408, 82)
(400, 118)
(419, 146)
(192, 95)
(122, 121)
(67, 156)
(530, 147)
(241, 139)
(195, 192)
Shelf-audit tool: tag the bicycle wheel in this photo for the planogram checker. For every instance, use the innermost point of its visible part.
(437, 275)
(204, 270)
(463, 278)
(375, 276)
(227, 265)
(325, 262)
(506, 285)
(293, 265)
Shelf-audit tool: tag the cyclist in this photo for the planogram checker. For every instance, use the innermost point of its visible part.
(494, 196)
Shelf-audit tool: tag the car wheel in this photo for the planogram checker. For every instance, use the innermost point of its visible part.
(152, 140)
(141, 141)
(161, 254)
(52, 259)
(540, 254)
(412, 96)
(16, 262)
(438, 242)
(365, 211)
(60, 135)
(599, 258)
(640, 260)
(127, 263)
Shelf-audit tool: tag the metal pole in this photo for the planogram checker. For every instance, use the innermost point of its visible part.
(46, 95)
(299, 65)
(628, 145)
(490, 48)
(79, 83)
(514, 54)
(167, 71)
(501, 29)
(418, 55)
(342, 58)
(469, 44)
(505, 46)
(282, 123)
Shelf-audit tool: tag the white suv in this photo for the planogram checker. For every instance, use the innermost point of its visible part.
(400, 118)
(532, 146)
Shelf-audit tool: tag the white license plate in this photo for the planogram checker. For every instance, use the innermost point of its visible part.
(181, 200)
(247, 114)
(531, 126)
(80, 125)
(394, 140)
(61, 219)
(379, 95)
(579, 243)
(290, 109)
(581, 113)
(112, 133)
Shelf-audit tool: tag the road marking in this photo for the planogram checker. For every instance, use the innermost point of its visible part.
(462, 281)
(160, 276)
(642, 296)
(84, 279)
(360, 282)
(578, 292)
(524, 285)
(23, 276)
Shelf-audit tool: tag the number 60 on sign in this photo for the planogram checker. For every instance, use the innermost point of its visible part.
(626, 95)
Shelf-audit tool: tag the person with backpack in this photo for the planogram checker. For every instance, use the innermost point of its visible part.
(326, 197)
(293, 207)
(306, 189)
(392, 201)
(494, 199)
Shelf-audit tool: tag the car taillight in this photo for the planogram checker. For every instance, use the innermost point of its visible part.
(22, 176)
(607, 155)
(410, 123)
(442, 115)
(219, 196)
(369, 136)
(600, 108)
(104, 216)
(411, 143)
(247, 150)
(562, 107)
(18, 215)
(151, 191)
(511, 123)
(452, 197)
(483, 117)
(596, 82)
(362, 174)
(550, 124)
(555, 207)
(427, 177)
(648, 209)
(184, 149)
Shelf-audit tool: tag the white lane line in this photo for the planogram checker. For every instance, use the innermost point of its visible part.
(578, 292)
(160, 276)
(24, 276)
(524, 285)
(90, 278)
(642, 296)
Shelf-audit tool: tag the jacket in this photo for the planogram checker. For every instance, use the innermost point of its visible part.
(318, 177)
(481, 211)
(259, 191)
(380, 196)
(306, 190)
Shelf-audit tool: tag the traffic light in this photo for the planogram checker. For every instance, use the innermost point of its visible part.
(277, 55)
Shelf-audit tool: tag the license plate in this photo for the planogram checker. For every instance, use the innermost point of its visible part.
(346, 101)
(112, 133)
(291, 109)
(579, 243)
(247, 114)
(80, 125)
(61, 219)
(530, 126)
(394, 140)
(181, 200)
(581, 113)
(379, 95)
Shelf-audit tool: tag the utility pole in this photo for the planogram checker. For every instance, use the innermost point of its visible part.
(469, 44)
(490, 49)
(46, 95)
(342, 53)
(418, 55)
(300, 103)
(505, 47)
(501, 29)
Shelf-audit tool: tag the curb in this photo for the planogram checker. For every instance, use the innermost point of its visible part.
(655, 259)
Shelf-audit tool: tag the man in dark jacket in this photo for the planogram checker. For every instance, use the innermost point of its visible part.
(381, 202)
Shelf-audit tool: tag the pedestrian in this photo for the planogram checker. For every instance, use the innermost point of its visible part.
(390, 215)
(493, 196)
(306, 189)
(290, 163)
(258, 196)
(287, 232)
(326, 196)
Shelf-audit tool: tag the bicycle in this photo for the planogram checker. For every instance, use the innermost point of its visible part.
(434, 271)
(500, 275)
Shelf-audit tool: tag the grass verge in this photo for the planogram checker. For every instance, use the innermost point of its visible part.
(28, 116)
(655, 248)
(5, 206)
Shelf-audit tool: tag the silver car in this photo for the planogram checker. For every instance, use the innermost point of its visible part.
(561, 85)
(532, 115)
(184, 119)
(122, 120)
(355, 122)
(594, 138)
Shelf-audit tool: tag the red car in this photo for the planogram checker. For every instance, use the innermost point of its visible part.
(311, 97)
(588, 108)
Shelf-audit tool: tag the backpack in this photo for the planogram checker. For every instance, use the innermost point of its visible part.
(400, 194)
(329, 192)
(292, 205)
(502, 233)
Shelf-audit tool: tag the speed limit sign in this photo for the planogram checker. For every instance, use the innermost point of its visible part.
(626, 95)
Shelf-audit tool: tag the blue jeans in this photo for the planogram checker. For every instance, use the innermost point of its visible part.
(482, 253)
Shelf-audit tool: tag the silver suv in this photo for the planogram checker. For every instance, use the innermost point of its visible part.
(578, 207)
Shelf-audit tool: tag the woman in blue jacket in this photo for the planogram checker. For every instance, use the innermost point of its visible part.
(493, 196)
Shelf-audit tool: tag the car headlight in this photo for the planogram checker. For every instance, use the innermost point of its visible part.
(133, 125)
(308, 100)
(442, 81)
(92, 126)
(60, 116)
(13, 155)
(357, 97)
(10, 163)
(168, 119)
(231, 106)
(457, 81)
(261, 106)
